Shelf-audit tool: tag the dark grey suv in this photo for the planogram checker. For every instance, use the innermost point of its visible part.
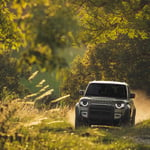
(105, 103)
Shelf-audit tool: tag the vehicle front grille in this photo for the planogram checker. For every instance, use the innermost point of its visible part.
(94, 102)
(101, 113)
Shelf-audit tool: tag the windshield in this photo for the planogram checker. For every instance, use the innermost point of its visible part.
(107, 90)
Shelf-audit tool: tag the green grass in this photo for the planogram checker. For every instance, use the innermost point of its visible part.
(51, 78)
(53, 131)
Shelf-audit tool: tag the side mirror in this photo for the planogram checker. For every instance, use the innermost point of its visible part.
(132, 95)
(81, 92)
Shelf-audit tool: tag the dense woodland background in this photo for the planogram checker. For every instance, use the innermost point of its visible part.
(65, 44)
(49, 50)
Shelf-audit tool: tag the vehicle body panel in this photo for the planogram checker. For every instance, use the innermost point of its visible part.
(101, 106)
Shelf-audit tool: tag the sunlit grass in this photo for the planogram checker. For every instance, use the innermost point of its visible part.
(50, 129)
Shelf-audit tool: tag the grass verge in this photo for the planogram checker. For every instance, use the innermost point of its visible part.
(29, 129)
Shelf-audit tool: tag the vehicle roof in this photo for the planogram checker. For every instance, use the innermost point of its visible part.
(109, 82)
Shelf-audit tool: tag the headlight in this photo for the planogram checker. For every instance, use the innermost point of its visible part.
(119, 105)
(84, 103)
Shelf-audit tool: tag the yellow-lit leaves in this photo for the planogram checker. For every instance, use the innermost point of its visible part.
(109, 21)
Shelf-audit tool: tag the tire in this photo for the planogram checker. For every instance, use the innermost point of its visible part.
(126, 119)
(133, 118)
(117, 123)
(78, 120)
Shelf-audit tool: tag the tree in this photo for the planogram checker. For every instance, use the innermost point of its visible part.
(123, 59)
(10, 77)
(51, 26)
(38, 30)
(11, 39)
(103, 20)
(117, 35)
(10, 34)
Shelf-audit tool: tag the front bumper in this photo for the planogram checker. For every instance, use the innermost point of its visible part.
(101, 114)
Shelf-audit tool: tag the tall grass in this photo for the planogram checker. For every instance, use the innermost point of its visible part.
(24, 127)
(31, 129)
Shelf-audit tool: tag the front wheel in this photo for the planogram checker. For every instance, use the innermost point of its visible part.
(125, 121)
(78, 120)
(117, 123)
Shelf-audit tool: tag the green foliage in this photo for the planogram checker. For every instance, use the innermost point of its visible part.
(7, 95)
(55, 24)
(10, 34)
(9, 76)
(117, 35)
(123, 28)
(39, 90)
(103, 20)
(121, 60)
(42, 29)
(51, 27)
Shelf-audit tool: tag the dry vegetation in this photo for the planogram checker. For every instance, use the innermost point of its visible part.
(25, 128)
